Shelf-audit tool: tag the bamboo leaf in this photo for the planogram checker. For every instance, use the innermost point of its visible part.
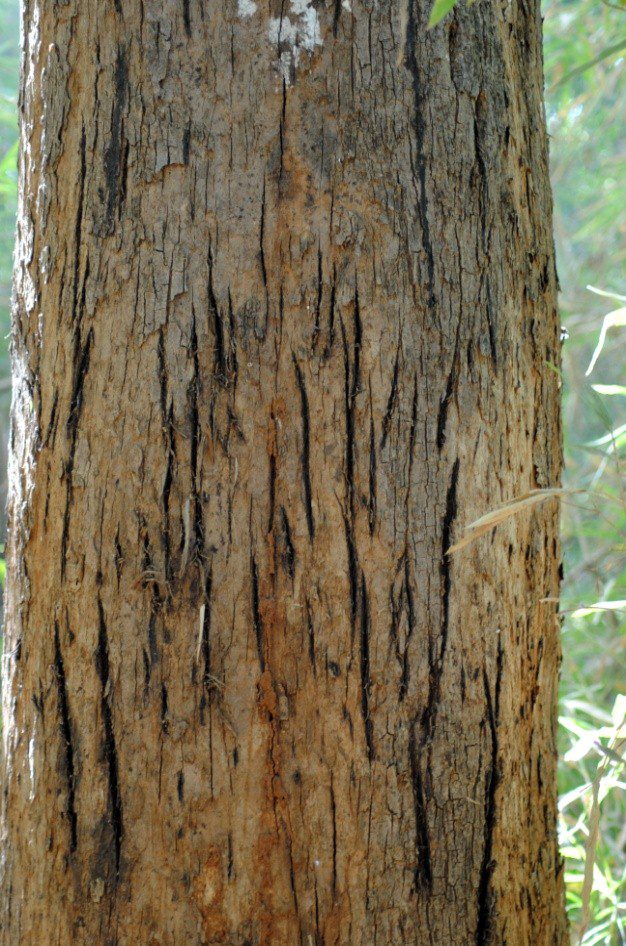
(439, 10)
(599, 606)
(491, 519)
(609, 389)
(605, 54)
(614, 319)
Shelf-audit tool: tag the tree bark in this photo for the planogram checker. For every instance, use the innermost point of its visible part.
(285, 321)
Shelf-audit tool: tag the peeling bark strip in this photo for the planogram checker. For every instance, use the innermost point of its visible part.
(284, 306)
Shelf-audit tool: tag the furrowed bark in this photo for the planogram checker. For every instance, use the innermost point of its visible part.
(285, 321)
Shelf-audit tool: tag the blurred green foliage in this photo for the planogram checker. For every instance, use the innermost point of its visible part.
(9, 69)
(585, 46)
(9, 66)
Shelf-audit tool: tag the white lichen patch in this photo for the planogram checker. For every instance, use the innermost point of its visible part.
(293, 34)
(246, 8)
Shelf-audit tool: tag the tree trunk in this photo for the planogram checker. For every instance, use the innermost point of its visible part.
(285, 323)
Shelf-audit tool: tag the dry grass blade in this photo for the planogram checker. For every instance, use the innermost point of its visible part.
(591, 845)
(491, 519)
(614, 752)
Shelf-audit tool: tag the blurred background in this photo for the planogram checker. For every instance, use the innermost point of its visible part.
(585, 52)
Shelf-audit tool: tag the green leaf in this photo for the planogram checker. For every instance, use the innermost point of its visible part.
(439, 10)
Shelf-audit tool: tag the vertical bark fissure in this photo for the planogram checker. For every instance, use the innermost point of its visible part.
(114, 152)
(257, 621)
(187, 18)
(306, 449)
(423, 869)
(110, 748)
(194, 547)
(311, 638)
(391, 401)
(351, 388)
(483, 928)
(451, 384)
(366, 682)
(288, 552)
(411, 623)
(372, 483)
(78, 228)
(205, 635)
(82, 353)
(436, 656)
(446, 562)
(221, 368)
(65, 725)
(419, 105)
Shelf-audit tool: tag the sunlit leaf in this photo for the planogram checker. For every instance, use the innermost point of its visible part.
(581, 748)
(614, 319)
(575, 795)
(618, 713)
(599, 606)
(614, 437)
(609, 389)
(606, 294)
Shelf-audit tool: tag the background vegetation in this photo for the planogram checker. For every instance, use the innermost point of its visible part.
(585, 46)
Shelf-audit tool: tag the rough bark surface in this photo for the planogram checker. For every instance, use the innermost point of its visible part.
(285, 322)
